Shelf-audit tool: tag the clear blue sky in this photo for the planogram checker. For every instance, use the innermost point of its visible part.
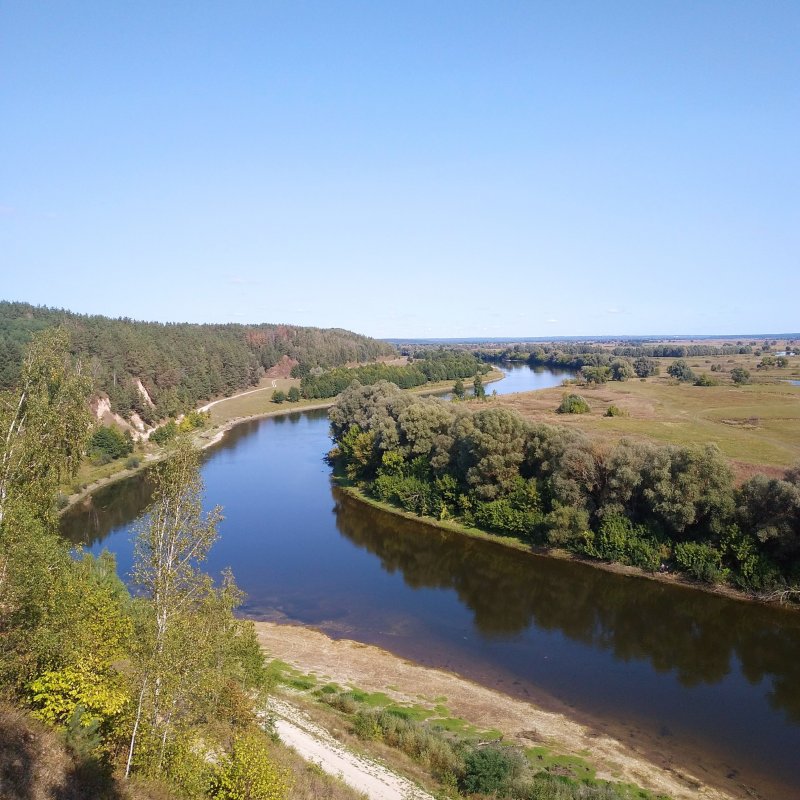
(406, 168)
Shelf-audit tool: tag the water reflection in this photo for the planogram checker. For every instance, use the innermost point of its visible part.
(719, 675)
(694, 635)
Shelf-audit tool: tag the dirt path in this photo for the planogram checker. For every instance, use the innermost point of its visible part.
(371, 669)
(315, 744)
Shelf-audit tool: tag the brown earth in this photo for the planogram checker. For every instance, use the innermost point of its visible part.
(283, 369)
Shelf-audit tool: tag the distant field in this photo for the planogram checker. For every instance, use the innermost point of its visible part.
(756, 426)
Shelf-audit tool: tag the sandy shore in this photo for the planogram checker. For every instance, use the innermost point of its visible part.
(372, 669)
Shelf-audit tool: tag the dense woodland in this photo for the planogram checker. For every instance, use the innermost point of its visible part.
(179, 365)
(652, 506)
(428, 367)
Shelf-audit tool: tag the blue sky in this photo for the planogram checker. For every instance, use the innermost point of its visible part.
(406, 169)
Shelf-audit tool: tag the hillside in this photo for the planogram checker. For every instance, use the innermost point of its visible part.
(157, 370)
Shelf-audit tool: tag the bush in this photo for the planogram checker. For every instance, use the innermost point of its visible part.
(573, 404)
(294, 395)
(278, 396)
(487, 770)
(111, 442)
(615, 411)
(249, 774)
(681, 371)
(194, 420)
(701, 561)
(740, 376)
(706, 380)
(132, 463)
(165, 433)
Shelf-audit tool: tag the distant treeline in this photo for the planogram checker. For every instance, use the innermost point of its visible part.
(429, 367)
(578, 355)
(179, 365)
(653, 506)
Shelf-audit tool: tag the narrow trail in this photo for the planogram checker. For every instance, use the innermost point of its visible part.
(315, 744)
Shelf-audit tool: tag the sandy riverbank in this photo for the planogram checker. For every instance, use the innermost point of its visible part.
(350, 663)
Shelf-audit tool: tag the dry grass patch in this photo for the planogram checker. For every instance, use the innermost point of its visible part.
(755, 426)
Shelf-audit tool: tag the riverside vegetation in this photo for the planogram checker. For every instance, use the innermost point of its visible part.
(155, 693)
(651, 506)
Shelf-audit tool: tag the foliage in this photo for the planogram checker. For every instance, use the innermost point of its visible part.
(293, 395)
(701, 561)
(645, 367)
(279, 396)
(740, 376)
(110, 441)
(179, 365)
(249, 773)
(165, 433)
(681, 371)
(487, 770)
(437, 365)
(573, 404)
(706, 380)
(636, 503)
(193, 420)
(44, 425)
(615, 411)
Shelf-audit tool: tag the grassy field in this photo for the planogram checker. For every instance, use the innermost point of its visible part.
(757, 426)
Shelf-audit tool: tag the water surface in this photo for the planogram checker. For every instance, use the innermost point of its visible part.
(678, 670)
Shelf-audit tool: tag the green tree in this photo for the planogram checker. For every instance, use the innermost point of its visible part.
(173, 541)
(681, 371)
(458, 390)
(645, 367)
(740, 376)
(278, 396)
(478, 388)
(293, 395)
(44, 425)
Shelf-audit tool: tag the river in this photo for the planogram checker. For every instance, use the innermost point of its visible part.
(678, 672)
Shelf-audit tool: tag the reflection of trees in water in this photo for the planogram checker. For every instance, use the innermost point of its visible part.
(109, 508)
(688, 632)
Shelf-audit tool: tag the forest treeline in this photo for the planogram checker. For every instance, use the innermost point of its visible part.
(179, 365)
(429, 367)
(158, 689)
(651, 506)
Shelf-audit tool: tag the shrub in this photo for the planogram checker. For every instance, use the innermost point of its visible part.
(293, 395)
(110, 442)
(573, 404)
(681, 371)
(740, 376)
(165, 433)
(249, 774)
(278, 396)
(194, 420)
(487, 770)
(706, 380)
(132, 462)
(615, 411)
(701, 561)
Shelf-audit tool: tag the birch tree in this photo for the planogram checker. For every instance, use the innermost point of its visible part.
(172, 543)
